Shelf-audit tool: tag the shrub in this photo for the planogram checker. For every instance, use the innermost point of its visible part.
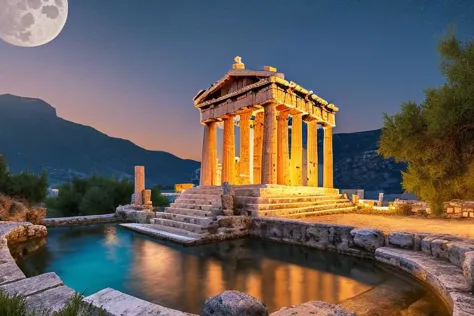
(94, 195)
(24, 185)
(14, 305)
(404, 210)
(157, 198)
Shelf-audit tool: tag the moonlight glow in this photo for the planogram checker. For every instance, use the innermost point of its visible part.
(30, 23)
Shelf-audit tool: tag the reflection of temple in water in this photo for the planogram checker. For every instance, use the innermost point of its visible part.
(185, 277)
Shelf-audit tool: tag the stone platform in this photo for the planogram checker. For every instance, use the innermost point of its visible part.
(198, 213)
(288, 201)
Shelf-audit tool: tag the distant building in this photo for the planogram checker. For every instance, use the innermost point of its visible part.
(53, 192)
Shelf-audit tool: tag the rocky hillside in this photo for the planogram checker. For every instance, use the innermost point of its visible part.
(33, 137)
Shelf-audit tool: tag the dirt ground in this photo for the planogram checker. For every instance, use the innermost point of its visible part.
(463, 228)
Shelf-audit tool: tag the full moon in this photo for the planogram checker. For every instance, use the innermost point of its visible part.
(31, 23)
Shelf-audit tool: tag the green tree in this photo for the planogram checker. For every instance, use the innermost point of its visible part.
(96, 201)
(3, 174)
(94, 195)
(28, 186)
(436, 138)
(157, 198)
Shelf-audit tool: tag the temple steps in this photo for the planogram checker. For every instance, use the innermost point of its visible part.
(317, 213)
(291, 212)
(278, 206)
(188, 212)
(185, 200)
(175, 230)
(192, 214)
(193, 228)
(280, 200)
(193, 206)
(209, 198)
(196, 220)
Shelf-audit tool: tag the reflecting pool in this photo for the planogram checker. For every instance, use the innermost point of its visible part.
(91, 258)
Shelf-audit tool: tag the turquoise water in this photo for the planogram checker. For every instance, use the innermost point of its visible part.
(92, 258)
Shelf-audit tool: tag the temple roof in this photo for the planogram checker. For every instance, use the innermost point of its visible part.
(260, 78)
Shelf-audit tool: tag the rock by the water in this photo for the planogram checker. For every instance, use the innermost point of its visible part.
(316, 308)
(468, 268)
(233, 303)
(402, 239)
(369, 239)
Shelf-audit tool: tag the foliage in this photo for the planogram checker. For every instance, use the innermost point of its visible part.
(94, 195)
(404, 210)
(157, 198)
(16, 306)
(24, 185)
(436, 137)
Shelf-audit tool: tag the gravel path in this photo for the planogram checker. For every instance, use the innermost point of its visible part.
(463, 228)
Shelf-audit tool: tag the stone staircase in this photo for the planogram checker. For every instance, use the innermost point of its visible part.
(289, 202)
(193, 214)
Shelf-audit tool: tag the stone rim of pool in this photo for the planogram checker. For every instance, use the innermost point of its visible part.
(417, 263)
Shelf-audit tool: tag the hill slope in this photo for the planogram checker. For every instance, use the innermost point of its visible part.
(33, 137)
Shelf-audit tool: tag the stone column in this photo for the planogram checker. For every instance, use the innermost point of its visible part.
(206, 170)
(283, 167)
(297, 149)
(269, 155)
(139, 184)
(245, 147)
(251, 151)
(213, 152)
(328, 159)
(312, 153)
(228, 151)
(258, 147)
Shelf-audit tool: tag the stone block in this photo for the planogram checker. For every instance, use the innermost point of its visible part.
(457, 251)
(369, 239)
(146, 197)
(314, 308)
(233, 303)
(439, 248)
(465, 214)
(318, 237)
(33, 285)
(228, 202)
(468, 268)
(53, 299)
(119, 304)
(402, 239)
(9, 272)
(463, 304)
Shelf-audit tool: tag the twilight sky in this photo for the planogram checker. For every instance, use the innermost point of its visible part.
(130, 68)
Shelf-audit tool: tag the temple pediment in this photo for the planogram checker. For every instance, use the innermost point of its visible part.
(233, 81)
(241, 90)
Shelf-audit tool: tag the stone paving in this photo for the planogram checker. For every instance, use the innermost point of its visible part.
(463, 228)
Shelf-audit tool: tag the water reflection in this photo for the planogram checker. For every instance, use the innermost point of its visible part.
(97, 257)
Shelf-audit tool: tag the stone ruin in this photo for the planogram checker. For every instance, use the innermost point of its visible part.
(141, 198)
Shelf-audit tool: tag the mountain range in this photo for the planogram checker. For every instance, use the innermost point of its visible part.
(34, 138)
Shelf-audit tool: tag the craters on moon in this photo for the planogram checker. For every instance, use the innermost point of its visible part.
(51, 11)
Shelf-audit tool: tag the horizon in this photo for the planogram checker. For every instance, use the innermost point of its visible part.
(132, 71)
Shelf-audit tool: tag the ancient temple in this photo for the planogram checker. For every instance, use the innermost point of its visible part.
(262, 101)
(268, 178)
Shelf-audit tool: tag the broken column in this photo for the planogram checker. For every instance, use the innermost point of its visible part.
(139, 185)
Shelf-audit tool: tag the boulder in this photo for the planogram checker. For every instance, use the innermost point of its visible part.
(468, 268)
(369, 239)
(402, 239)
(233, 303)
